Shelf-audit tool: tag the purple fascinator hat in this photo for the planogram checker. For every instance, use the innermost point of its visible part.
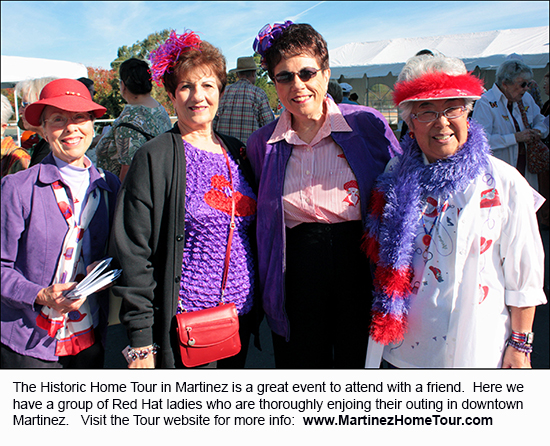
(267, 35)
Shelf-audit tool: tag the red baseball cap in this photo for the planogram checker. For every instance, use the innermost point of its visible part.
(66, 94)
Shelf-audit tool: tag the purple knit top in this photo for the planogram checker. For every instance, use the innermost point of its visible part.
(207, 218)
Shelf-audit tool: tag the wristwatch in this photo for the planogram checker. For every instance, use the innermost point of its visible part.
(523, 338)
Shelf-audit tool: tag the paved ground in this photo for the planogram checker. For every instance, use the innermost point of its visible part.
(261, 360)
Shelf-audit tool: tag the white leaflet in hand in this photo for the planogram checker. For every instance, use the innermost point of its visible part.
(100, 267)
(94, 281)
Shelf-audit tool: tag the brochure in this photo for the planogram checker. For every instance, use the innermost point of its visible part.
(95, 280)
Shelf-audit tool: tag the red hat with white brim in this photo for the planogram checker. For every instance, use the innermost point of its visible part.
(438, 85)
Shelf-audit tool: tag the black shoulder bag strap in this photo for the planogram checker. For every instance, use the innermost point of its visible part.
(137, 129)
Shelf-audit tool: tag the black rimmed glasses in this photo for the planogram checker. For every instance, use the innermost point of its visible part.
(430, 116)
(305, 74)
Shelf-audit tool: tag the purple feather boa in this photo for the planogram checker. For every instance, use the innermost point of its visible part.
(405, 188)
(410, 181)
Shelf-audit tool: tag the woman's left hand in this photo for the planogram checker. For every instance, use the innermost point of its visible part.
(53, 297)
(514, 359)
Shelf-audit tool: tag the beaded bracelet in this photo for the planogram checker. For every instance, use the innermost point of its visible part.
(142, 353)
(522, 347)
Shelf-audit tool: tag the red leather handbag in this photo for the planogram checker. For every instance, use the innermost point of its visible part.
(208, 335)
(211, 334)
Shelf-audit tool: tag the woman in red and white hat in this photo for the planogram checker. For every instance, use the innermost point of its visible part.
(453, 234)
(56, 219)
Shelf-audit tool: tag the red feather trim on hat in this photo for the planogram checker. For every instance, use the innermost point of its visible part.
(430, 84)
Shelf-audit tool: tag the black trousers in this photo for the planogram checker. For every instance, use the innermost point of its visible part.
(328, 298)
(91, 358)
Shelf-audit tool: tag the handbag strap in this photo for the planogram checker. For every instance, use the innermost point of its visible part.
(231, 228)
(523, 115)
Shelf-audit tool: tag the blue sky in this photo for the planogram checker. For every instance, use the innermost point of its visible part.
(91, 32)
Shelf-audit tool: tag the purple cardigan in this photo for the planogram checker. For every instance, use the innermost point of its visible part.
(32, 234)
(367, 149)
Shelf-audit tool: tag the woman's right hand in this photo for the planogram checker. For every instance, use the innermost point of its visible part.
(53, 297)
(527, 135)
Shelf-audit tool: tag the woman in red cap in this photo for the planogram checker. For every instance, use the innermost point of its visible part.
(56, 219)
(453, 234)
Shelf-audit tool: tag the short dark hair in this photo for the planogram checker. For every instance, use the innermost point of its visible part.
(208, 55)
(136, 76)
(296, 40)
(89, 85)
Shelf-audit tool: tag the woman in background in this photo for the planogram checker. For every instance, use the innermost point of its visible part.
(147, 118)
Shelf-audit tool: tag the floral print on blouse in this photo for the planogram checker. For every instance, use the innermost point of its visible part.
(119, 145)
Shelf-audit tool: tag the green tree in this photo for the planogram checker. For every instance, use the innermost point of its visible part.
(140, 49)
(107, 91)
(264, 82)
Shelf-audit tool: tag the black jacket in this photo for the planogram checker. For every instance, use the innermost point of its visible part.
(148, 239)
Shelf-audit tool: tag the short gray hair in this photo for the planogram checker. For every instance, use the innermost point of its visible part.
(510, 70)
(7, 110)
(31, 88)
(418, 66)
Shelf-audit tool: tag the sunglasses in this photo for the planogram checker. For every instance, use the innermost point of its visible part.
(305, 74)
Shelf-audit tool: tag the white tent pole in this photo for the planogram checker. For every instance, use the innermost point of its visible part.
(17, 117)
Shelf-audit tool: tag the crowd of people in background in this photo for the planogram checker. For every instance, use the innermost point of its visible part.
(358, 249)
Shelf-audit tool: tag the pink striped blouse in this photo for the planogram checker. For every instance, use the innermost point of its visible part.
(319, 183)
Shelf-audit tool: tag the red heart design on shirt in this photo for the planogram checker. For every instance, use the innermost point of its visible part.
(483, 292)
(215, 198)
(485, 244)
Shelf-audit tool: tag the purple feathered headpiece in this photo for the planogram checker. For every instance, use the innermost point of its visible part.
(267, 35)
(167, 54)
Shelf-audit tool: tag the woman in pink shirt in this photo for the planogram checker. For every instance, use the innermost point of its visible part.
(315, 166)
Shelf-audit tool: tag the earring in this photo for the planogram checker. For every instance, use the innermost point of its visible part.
(411, 134)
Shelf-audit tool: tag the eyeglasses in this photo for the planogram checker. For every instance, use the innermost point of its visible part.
(305, 74)
(59, 121)
(430, 116)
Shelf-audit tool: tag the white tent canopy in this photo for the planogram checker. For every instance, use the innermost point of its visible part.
(16, 69)
(485, 50)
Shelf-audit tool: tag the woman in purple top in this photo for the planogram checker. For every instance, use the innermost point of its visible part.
(55, 225)
(174, 210)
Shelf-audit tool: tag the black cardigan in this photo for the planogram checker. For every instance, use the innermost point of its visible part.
(148, 239)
